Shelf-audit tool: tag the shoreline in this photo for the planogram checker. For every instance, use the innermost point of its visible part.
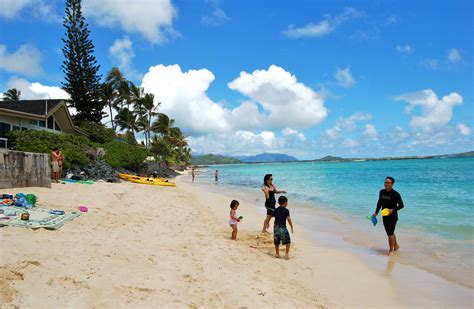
(143, 246)
(442, 290)
(429, 252)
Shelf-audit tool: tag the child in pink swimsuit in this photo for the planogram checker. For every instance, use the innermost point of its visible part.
(233, 218)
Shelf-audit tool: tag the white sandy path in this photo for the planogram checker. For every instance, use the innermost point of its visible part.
(145, 246)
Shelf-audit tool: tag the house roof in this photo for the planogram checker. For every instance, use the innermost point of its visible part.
(36, 107)
(41, 110)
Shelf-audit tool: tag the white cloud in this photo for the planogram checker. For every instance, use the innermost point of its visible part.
(454, 56)
(153, 19)
(35, 91)
(122, 54)
(346, 124)
(350, 143)
(370, 132)
(325, 26)
(11, 9)
(25, 60)
(344, 77)
(464, 129)
(287, 132)
(430, 64)
(218, 16)
(435, 113)
(285, 101)
(277, 100)
(405, 49)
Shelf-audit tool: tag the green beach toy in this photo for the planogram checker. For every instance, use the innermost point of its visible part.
(373, 219)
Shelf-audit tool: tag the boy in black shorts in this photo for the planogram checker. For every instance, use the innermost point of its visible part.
(280, 231)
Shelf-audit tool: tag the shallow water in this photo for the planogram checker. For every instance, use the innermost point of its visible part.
(435, 228)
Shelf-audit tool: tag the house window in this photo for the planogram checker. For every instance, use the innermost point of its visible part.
(4, 129)
(15, 128)
(56, 126)
(33, 122)
(42, 123)
(50, 123)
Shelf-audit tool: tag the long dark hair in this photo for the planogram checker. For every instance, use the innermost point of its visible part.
(266, 178)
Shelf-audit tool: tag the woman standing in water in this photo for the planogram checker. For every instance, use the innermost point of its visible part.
(269, 190)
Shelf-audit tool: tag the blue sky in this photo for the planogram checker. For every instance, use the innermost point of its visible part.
(307, 78)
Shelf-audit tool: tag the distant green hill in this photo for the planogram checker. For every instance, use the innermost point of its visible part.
(213, 159)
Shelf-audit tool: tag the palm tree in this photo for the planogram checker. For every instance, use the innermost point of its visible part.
(108, 96)
(12, 95)
(121, 86)
(147, 110)
(163, 125)
(126, 120)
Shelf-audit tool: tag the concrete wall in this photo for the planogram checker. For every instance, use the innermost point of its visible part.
(24, 169)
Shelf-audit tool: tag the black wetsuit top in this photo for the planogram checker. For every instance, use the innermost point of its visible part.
(281, 213)
(270, 202)
(391, 200)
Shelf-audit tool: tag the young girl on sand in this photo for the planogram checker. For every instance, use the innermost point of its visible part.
(233, 218)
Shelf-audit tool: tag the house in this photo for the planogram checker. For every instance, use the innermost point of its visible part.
(49, 115)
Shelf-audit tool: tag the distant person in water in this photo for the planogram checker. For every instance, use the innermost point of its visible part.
(193, 174)
(391, 200)
(216, 175)
(269, 190)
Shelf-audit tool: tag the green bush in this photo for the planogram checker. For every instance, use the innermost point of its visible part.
(98, 133)
(123, 154)
(73, 147)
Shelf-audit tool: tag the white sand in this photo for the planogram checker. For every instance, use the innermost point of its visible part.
(144, 246)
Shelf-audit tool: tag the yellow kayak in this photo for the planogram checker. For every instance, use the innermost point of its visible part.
(152, 181)
(129, 177)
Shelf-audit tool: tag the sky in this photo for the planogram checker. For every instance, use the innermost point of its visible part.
(305, 78)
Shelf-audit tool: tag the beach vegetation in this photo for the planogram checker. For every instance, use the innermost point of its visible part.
(82, 80)
(74, 148)
(12, 95)
(120, 154)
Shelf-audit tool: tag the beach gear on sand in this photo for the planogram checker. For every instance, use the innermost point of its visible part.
(38, 218)
(82, 182)
(373, 219)
(83, 209)
(9, 212)
(385, 212)
(56, 212)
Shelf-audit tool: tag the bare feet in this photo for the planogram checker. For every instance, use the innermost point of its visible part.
(397, 247)
(287, 257)
(277, 256)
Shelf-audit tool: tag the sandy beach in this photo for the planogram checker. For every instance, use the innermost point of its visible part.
(145, 246)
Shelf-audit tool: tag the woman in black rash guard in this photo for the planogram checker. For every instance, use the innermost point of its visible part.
(269, 190)
(390, 199)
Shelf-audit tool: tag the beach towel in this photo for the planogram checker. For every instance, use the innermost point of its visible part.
(82, 182)
(39, 218)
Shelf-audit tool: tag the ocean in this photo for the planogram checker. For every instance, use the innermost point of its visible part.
(435, 229)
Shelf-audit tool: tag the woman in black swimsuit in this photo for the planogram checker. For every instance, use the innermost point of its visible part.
(269, 190)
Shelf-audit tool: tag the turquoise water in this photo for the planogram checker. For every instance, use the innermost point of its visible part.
(437, 193)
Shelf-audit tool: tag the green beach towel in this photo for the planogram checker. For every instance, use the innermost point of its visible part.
(39, 218)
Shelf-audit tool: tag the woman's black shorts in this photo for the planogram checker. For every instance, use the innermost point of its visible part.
(389, 224)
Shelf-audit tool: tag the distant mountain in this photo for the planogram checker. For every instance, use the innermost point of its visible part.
(209, 159)
(267, 157)
(330, 158)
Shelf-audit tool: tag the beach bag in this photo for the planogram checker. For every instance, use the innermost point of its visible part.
(31, 199)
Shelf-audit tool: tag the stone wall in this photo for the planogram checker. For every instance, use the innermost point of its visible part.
(24, 169)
